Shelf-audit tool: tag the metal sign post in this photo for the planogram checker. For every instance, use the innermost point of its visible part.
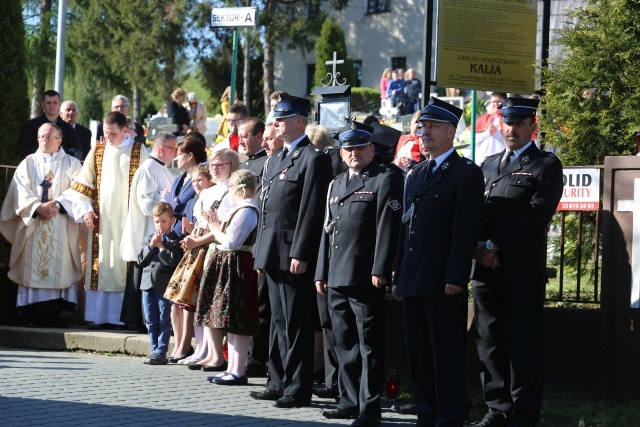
(233, 17)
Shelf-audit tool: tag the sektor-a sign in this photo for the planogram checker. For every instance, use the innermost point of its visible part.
(233, 17)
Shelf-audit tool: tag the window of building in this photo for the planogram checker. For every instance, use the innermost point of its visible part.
(399, 62)
(311, 75)
(358, 66)
(378, 6)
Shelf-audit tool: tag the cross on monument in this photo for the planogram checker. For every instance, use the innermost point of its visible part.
(334, 76)
(633, 206)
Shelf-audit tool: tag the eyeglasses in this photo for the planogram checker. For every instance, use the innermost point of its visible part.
(131, 129)
(168, 148)
(217, 165)
(49, 137)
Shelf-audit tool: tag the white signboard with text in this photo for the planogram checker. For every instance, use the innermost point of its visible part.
(233, 17)
(581, 190)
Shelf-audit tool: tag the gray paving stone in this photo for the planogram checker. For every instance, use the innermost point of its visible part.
(63, 388)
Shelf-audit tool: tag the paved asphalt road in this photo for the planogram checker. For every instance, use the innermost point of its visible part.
(45, 388)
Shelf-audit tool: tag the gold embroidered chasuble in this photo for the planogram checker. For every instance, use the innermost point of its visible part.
(105, 181)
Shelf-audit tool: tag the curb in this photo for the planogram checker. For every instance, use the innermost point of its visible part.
(54, 339)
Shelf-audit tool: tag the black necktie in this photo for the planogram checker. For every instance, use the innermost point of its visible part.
(506, 160)
(429, 171)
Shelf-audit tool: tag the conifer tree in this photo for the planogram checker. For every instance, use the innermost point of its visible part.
(13, 80)
(332, 40)
(592, 99)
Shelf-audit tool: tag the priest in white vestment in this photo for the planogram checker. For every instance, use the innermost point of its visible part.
(45, 254)
(150, 181)
(99, 196)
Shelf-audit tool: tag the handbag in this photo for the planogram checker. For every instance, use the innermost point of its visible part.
(184, 284)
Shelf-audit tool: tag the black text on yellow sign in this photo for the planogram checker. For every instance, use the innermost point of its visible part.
(487, 44)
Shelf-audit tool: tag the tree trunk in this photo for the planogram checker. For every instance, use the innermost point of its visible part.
(43, 49)
(267, 75)
(137, 108)
(246, 92)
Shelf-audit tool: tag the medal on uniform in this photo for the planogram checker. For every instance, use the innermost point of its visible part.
(282, 174)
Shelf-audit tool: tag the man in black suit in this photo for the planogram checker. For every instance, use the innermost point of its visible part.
(441, 224)
(69, 113)
(121, 103)
(359, 243)
(523, 186)
(286, 250)
(29, 134)
(250, 136)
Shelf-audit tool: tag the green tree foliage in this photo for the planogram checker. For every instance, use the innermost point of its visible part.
(128, 45)
(593, 93)
(216, 70)
(41, 46)
(332, 40)
(13, 80)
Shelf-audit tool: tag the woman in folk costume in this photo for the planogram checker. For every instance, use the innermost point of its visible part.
(228, 298)
(221, 164)
(185, 280)
(45, 255)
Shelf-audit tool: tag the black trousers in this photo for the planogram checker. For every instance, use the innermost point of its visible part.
(131, 312)
(259, 344)
(436, 329)
(357, 317)
(293, 302)
(509, 321)
(329, 353)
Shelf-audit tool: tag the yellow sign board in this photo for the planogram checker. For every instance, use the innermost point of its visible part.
(487, 44)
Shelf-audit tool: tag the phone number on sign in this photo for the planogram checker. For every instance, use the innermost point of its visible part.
(578, 206)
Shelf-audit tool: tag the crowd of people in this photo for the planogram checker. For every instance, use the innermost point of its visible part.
(286, 243)
(400, 90)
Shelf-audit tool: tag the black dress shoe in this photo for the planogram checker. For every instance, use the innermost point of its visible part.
(365, 420)
(325, 392)
(234, 380)
(221, 368)
(195, 367)
(291, 402)
(266, 394)
(177, 359)
(405, 408)
(493, 418)
(340, 414)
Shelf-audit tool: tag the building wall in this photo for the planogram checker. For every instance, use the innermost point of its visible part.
(375, 38)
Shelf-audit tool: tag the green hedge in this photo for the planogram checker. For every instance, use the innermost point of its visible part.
(362, 96)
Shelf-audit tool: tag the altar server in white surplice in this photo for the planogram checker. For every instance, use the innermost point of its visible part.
(149, 183)
(45, 255)
(99, 197)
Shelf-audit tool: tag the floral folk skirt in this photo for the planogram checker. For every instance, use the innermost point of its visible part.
(228, 296)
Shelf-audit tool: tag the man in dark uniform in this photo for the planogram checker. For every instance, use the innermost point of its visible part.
(385, 141)
(250, 136)
(354, 266)
(523, 186)
(441, 223)
(286, 250)
(29, 133)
